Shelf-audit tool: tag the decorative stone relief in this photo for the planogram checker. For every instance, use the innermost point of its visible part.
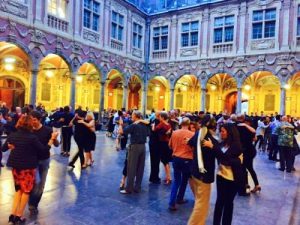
(91, 36)
(188, 52)
(118, 8)
(137, 52)
(14, 8)
(263, 44)
(76, 47)
(38, 36)
(263, 2)
(138, 19)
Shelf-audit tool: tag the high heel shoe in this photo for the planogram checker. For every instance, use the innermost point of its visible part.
(167, 182)
(91, 163)
(256, 189)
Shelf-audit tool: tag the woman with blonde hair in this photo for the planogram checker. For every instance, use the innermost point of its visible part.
(90, 138)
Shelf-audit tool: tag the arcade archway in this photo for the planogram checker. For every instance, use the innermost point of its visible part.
(114, 91)
(262, 89)
(187, 94)
(221, 93)
(158, 94)
(88, 87)
(135, 92)
(15, 75)
(292, 95)
(54, 82)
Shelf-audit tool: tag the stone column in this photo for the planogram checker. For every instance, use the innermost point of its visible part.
(171, 98)
(205, 20)
(242, 23)
(77, 19)
(239, 100)
(203, 99)
(282, 100)
(173, 37)
(144, 98)
(33, 84)
(106, 22)
(128, 37)
(101, 106)
(285, 8)
(125, 96)
(73, 92)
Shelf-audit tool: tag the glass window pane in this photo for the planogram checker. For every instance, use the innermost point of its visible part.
(87, 3)
(270, 14)
(194, 38)
(257, 31)
(134, 27)
(156, 31)
(219, 21)
(134, 40)
(120, 33)
(114, 30)
(164, 42)
(185, 27)
(270, 29)
(114, 16)
(194, 25)
(96, 22)
(257, 15)
(156, 43)
(298, 27)
(184, 40)
(229, 20)
(218, 35)
(164, 30)
(299, 10)
(228, 34)
(139, 42)
(86, 18)
(96, 7)
(140, 29)
(121, 19)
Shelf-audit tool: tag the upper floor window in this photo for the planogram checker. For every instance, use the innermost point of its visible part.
(117, 26)
(223, 29)
(189, 34)
(58, 8)
(91, 14)
(263, 23)
(160, 37)
(137, 35)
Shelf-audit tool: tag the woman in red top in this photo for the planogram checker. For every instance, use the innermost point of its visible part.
(163, 130)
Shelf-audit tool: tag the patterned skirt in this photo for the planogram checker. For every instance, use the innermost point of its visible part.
(24, 179)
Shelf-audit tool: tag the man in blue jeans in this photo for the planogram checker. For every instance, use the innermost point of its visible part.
(44, 134)
(182, 159)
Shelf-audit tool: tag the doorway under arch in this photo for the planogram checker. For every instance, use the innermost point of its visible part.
(12, 91)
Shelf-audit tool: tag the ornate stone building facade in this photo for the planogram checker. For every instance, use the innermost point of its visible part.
(238, 56)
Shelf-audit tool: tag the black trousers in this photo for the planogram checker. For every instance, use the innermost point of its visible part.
(226, 191)
(274, 147)
(124, 142)
(125, 166)
(154, 162)
(286, 158)
(80, 152)
(66, 138)
(248, 163)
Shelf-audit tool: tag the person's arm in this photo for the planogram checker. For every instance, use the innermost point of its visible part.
(90, 124)
(127, 130)
(146, 122)
(251, 129)
(54, 136)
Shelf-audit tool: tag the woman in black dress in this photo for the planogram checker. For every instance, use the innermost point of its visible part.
(89, 138)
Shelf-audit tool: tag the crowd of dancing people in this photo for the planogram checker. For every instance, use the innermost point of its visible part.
(202, 147)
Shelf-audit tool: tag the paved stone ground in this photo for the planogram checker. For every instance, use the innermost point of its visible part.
(91, 197)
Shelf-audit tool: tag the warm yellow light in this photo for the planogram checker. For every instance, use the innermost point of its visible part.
(9, 60)
(79, 79)
(110, 94)
(9, 67)
(184, 88)
(287, 86)
(161, 97)
(157, 88)
(245, 96)
(49, 73)
(247, 87)
(213, 87)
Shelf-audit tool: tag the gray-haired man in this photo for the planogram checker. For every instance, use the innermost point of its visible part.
(136, 153)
